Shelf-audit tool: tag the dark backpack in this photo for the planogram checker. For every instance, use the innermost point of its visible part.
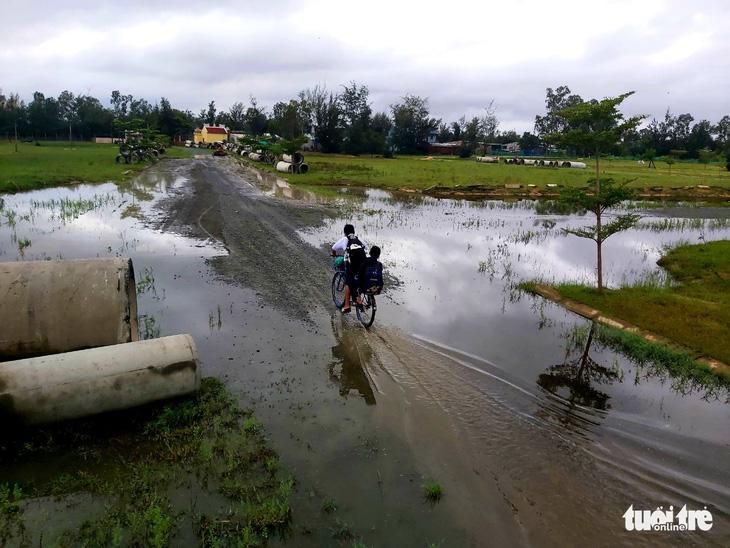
(355, 253)
(371, 279)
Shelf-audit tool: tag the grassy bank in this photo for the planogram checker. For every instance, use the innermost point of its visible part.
(54, 163)
(694, 312)
(194, 472)
(420, 173)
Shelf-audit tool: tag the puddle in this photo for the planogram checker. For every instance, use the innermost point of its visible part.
(500, 365)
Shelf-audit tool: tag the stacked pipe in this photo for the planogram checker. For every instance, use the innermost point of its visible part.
(487, 159)
(295, 164)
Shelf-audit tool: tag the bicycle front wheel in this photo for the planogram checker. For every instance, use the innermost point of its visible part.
(339, 282)
(366, 312)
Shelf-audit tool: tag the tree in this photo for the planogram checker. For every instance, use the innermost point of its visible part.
(328, 124)
(555, 102)
(412, 124)
(595, 126)
(210, 118)
(722, 130)
(255, 120)
(529, 141)
(356, 115)
(235, 117)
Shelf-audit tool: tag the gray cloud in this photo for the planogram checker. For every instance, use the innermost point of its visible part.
(672, 53)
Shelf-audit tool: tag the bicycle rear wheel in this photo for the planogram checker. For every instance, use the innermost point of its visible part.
(366, 312)
(339, 282)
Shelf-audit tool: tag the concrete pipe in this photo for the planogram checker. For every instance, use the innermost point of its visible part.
(285, 167)
(255, 156)
(87, 382)
(553, 164)
(520, 161)
(303, 169)
(528, 162)
(576, 165)
(59, 306)
(540, 163)
(296, 158)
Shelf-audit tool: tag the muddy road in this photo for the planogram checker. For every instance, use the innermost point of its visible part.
(366, 418)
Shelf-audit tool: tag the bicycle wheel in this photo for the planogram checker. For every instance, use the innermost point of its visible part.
(366, 312)
(339, 282)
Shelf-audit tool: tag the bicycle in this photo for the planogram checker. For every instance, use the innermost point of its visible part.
(366, 310)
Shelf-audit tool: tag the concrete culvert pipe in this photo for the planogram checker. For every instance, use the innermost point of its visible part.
(59, 306)
(284, 167)
(528, 162)
(296, 158)
(255, 156)
(87, 382)
(520, 161)
(577, 165)
(303, 169)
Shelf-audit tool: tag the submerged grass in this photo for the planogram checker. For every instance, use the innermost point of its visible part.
(205, 447)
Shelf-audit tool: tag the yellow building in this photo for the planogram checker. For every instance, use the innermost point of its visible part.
(210, 134)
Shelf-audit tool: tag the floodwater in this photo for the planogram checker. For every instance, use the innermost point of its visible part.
(538, 434)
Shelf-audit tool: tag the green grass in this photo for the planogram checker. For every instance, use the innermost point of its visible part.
(694, 313)
(418, 173)
(433, 491)
(55, 163)
(134, 461)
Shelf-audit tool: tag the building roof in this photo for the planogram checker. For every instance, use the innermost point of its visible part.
(216, 130)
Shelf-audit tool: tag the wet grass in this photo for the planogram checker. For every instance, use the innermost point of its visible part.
(691, 306)
(135, 466)
(694, 311)
(52, 163)
(419, 173)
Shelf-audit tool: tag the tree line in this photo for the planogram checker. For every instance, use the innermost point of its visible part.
(343, 121)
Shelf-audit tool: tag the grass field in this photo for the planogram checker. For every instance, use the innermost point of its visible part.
(694, 313)
(421, 173)
(54, 163)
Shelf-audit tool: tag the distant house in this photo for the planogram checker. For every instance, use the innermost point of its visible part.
(445, 148)
(512, 147)
(210, 134)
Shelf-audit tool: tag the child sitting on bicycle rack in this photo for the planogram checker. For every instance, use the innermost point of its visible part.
(370, 275)
(354, 250)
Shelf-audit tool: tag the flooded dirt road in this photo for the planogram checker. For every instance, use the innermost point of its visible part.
(461, 380)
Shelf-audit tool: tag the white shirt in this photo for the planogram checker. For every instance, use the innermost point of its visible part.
(341, 245)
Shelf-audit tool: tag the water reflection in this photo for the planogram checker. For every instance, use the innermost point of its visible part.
(571, 380)
(347, 371)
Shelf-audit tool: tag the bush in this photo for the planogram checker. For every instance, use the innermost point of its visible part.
(465, 152)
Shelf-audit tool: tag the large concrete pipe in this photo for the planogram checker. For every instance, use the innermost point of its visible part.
(520, 161)
(488, 159)
(59, 306)
(575, 165)
(297, 158)
(303, 169)
(284, 167)
(540, 163)
(528, 162)
(255, 156)
(86, 382)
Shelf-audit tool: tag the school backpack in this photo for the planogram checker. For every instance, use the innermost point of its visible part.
(355, 252)
(372, 279)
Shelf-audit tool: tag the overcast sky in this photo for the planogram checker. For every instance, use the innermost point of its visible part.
(460, 54)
